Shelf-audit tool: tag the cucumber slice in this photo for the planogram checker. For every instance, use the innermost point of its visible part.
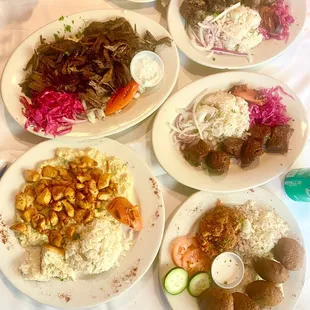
(199, 283)
(176, 281)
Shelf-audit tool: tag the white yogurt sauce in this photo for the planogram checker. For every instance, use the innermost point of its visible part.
(227, 270)
(146, 70)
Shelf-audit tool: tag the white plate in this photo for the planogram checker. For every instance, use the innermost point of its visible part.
(263, 170)
(98, 288)
(183, 223)
(266, 51)
(134, 113)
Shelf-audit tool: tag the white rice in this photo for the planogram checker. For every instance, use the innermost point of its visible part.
(240, 29)
(262, 229)
(231, 118)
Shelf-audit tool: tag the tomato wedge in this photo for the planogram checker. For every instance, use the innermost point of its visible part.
(195, 260)
(180, 246)
(123, 211)
(122, 97)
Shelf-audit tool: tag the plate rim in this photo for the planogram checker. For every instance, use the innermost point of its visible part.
(130, 124)
(198, 193)
(167, 169)
(223, 67)
(162, 217)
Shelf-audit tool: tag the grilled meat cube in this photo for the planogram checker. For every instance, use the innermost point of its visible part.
(218, 161)
(216, 6)
(196, 153)
(279, 139)
(233, 146)
(251, 3)
(248, 94)
(260, 132)
(194, 11)
(251, 150)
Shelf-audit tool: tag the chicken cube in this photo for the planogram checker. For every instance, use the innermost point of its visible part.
(79, 186)
(89, 216)
(53, 217)
(31, 175)
(29, 190)
(105, 195)
(57, 206)
(89, 161)
(92, 187)
(58, 192)
(55, 238)
(70, 195)
(38, 222)
(70, 230)
(21, 201)
(45, 197)
(79, 215)
(104, 181)
(39, 189)
(37, 206)
(69, 208)
(83, 177)
(28, 214)
(49, 172)
(20, 228)
(63, 217)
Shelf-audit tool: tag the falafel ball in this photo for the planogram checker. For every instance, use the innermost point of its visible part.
(265, 294)
(289, 253)
(216, 298)
(244, 302)
(271, 270)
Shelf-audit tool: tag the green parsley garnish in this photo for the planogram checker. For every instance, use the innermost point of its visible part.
(61, 18)
(67, 28)
(56, 36)
(76, 236)
(67, 53)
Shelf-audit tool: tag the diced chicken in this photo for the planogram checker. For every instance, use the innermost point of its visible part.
(89, 161)
(53, 217)
(49, 172)
(20, 228)
(58, 192)
(55, 238)
(31, 175)
(28, 214)
(70, 230)
(21, 201)
(69, 208)
(104, 181)
(45, 197)
(57, 206)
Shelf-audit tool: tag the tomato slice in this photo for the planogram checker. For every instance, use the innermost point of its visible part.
(180, 246)
(123, 211)
(122, 97)
(195, 260)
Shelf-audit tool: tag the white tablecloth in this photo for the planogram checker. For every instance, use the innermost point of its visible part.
(293, 68)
